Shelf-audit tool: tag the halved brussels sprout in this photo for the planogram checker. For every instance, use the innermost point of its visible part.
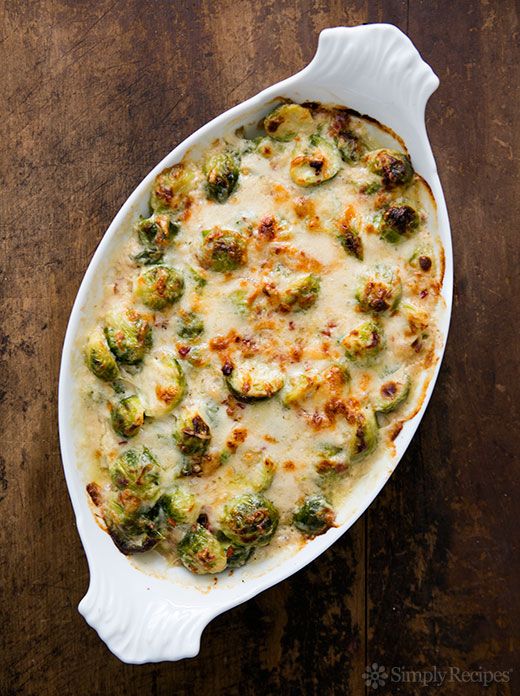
(129, 526)
(351, 241)
(250, 520)
(136, 470)
(192, 434)
(157, 231)
(127, 416)
(315, 516)
(100, 360)
(364, 342)
(201, 552)
(190, 325)
(397, 223)
(319, 162)
(159, 286)
(129, 335)
(297, 387)
(222, 171)
(171, 188)
(165, 384)
(392, 392)
(179, 506)
(287, 121)
(222, 250)
(260, 475)
(300, 294)
(379, 290)
(253, 380)
(365, 435)
(394, 167)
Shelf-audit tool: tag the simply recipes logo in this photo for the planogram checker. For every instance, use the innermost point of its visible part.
(377, 676)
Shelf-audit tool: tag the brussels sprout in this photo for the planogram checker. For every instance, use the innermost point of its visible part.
(178, 507)
(201, 552)
(315, 516)
(287, 121)
(100, 360)
(349, 143)
(394, 167)
(417, 318)
(130, 529)
(129, 335)
(192, 434)
(157, 231)
(222, 171)
(365, 436)
(222, 250)
(397, 222)
(379, 290)
(127, 416)
(297, 387)
(166, 384)
(171, 188)
(300, 294)
(319, 162)
(364, 342)
(253, 380)
(190, 325)
(392, 393)
(260, 476)
(136, 470)
(159, 287)
(237, 556)
(351, 241)
(250, 520)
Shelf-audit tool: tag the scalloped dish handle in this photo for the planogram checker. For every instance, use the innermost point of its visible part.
(382, 57)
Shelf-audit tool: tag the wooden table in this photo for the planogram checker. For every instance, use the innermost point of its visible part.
(94, 93)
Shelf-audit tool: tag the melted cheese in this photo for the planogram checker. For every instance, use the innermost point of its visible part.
(291, 232)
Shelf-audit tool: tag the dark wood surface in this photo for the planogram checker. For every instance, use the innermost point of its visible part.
(94, 93)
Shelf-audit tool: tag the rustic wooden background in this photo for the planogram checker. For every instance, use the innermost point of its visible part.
(94, 93)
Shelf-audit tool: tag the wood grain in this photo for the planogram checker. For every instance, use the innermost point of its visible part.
(94, 93)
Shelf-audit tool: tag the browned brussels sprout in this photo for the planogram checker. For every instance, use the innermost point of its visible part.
(287, 121)
(159, 287)
(315, 516)
(136, 470)
(129, 335)
(250, 520)
(364, 342)
(254, 380)
(176, 507)
(190, 325)
(222, 250)
(222, 171)
(192, 434)
(379, 290)
(392, 392)
(299, 294)
(394, 167)
(397, 223)
(127, 416)
(128, 524)
(201, 552)
(171, 188)
(351, 241)
(100, 359)
(365, 435)
(319, 161)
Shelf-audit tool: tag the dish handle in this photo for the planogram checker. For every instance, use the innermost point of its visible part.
(137, 624)
(379, 62)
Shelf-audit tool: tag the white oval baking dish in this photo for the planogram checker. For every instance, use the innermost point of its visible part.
(160, 614)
